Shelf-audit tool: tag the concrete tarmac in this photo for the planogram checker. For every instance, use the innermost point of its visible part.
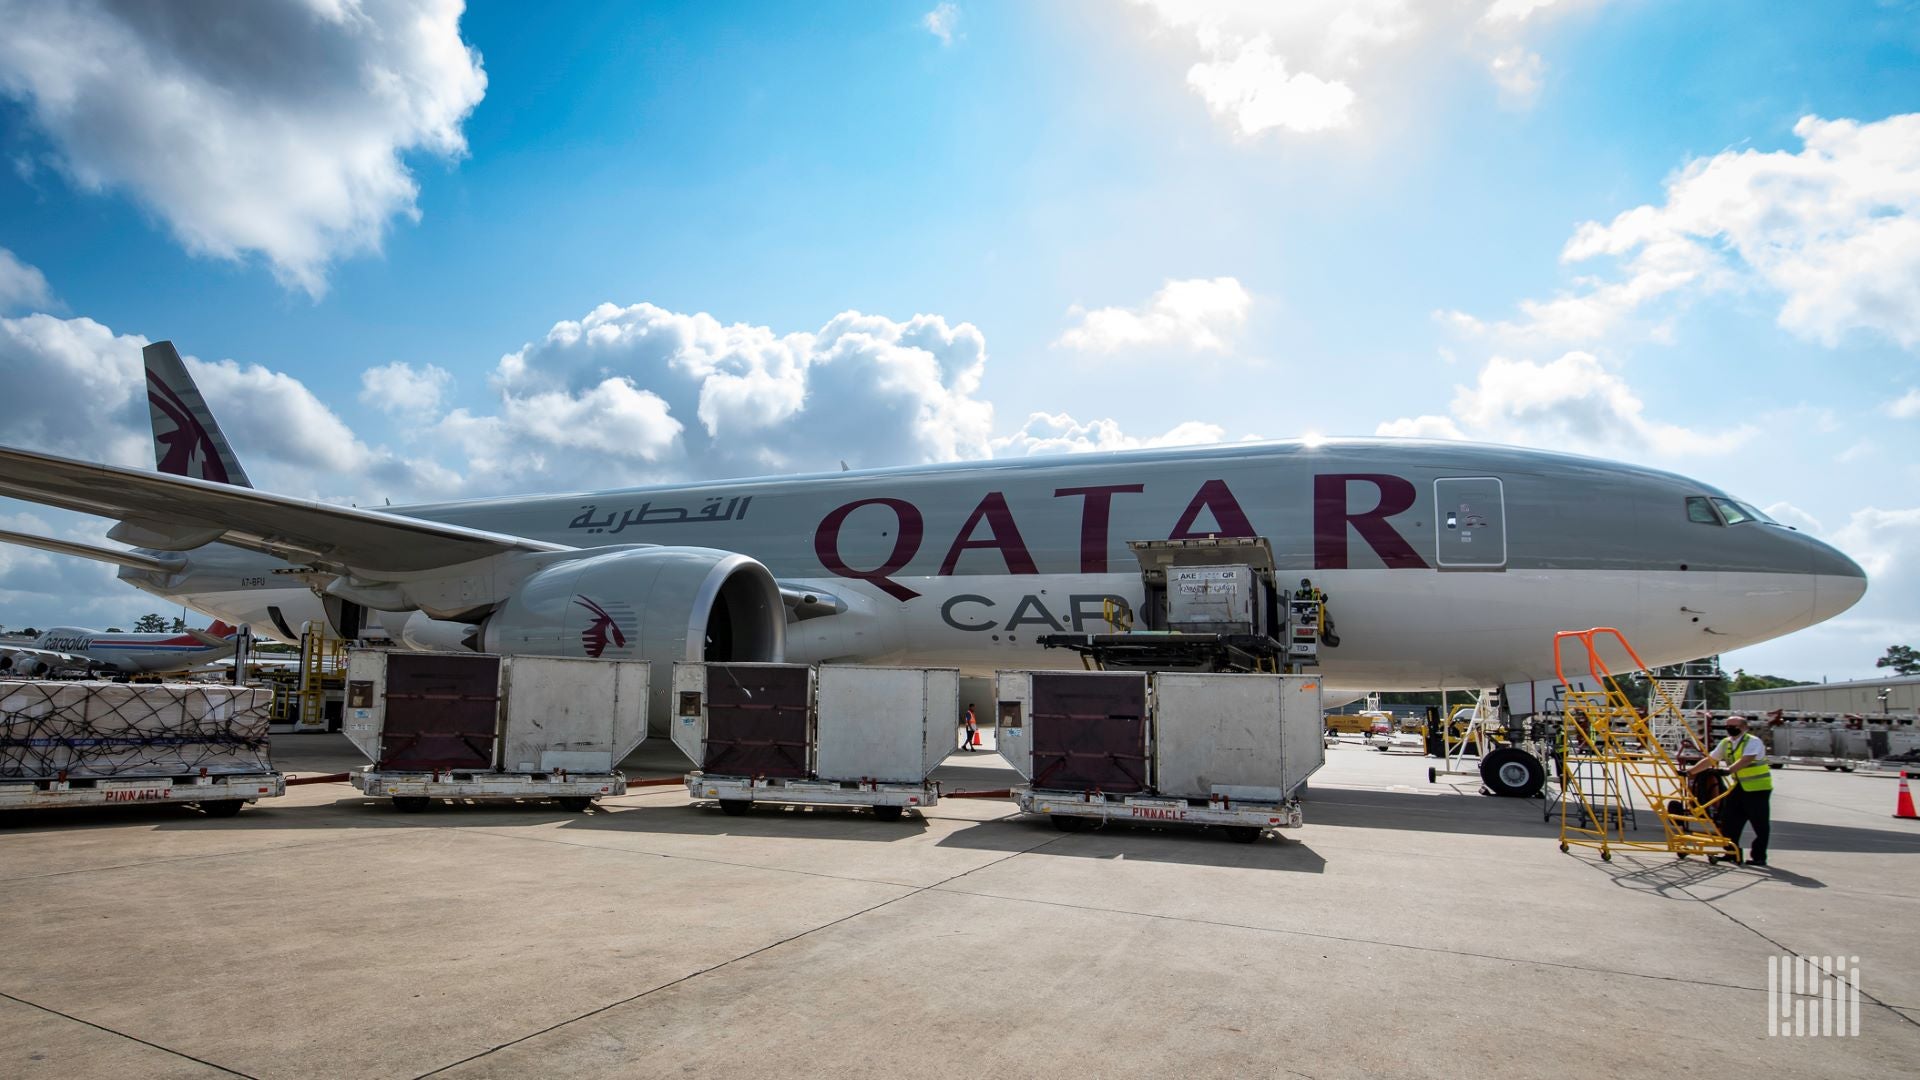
(1410, 929)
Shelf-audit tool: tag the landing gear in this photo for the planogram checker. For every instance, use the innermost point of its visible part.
(1513, 773)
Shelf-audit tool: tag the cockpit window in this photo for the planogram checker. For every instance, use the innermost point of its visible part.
(1700, 511)
(1739, 513)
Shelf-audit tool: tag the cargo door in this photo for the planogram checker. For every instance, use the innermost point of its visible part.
(1469, 523)
(756, 720)
(1089, 732)
(442, 712)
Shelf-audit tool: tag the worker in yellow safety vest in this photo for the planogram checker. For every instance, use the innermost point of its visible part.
(1750, 802)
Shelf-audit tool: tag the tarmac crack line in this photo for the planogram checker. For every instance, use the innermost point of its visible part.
(912, 891)
(124, 1035)
(1899, 1011)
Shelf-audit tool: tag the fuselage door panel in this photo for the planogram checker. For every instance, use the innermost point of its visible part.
(1469, 523)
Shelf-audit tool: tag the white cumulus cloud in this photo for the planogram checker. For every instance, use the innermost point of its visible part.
(1060, 433)
(275, 127)
(1307, 66)
(1832, 230)
(941, 21)
(1573, 403)
(1906, 406)
(22, 286)
(1200, 314)
(403, 390)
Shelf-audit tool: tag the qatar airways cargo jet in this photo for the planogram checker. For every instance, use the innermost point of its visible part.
(1447, 564)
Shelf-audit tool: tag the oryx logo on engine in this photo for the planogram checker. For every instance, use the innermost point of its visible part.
(604, 630)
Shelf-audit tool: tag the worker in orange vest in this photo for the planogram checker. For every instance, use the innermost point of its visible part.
(970, 734)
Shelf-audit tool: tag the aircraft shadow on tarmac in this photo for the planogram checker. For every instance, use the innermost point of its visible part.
(1362, 808)
(1179, 845)
(764, 819)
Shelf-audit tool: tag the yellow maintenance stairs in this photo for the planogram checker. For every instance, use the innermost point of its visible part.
(1611, 754)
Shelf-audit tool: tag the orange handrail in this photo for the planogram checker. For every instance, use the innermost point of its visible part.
(1596, 667)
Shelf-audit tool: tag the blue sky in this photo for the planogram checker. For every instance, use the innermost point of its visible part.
(1185, 219)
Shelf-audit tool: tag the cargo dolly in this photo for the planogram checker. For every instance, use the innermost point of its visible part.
(850, 735)
(452, 726)
(737, 794)
(1173, 748)
(217, 796)
(94, 743)
(1244, 819)
(415, 791)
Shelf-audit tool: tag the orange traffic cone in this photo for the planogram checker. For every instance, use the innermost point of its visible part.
(976, 742)
(1904, 807)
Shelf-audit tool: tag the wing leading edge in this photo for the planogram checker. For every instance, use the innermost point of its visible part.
(179, 513)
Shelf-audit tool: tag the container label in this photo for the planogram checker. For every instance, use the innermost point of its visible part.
(140, 794)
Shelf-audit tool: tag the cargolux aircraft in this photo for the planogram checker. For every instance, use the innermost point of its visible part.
(1447, 564)
(71, 647)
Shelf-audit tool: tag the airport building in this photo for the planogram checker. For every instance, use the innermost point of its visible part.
(1899, 695)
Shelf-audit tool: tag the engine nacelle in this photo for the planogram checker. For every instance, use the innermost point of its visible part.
(662, 604)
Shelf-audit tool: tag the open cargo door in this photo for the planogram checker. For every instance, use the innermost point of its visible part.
(442, 711)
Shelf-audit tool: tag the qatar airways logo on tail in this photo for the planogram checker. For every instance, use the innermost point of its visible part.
(603, 630)
(187, 450)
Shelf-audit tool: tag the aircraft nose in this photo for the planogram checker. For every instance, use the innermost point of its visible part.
(1839, 582)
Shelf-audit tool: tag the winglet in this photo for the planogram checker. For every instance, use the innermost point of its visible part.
(187, 440)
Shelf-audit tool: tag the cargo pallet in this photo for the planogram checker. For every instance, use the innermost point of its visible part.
(737, 794)
(1074, 811)
(415, 791)
(218, 796)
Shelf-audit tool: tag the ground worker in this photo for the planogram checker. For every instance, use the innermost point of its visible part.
(970, 731)
(1750, 802)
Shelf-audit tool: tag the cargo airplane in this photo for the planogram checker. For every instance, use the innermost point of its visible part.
(1449, 565)
(73, 648)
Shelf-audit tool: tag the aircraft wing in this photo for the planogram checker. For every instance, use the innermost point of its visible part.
(179, 513)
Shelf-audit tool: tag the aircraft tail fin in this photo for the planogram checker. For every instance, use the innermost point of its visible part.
(187, 440)
(217, 633)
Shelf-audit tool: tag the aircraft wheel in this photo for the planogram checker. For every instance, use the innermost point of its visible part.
(735, 807)
(889, 813)
(222, 807)
(1513, 773)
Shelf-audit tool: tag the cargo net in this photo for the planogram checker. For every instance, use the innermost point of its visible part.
(66, 730)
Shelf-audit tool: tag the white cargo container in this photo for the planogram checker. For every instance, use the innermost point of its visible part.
(845, 735)
(889, 724)
(1219, 749)
(440, 725)
(1245, 737)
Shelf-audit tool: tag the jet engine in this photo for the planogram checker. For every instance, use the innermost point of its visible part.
(660, 603)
